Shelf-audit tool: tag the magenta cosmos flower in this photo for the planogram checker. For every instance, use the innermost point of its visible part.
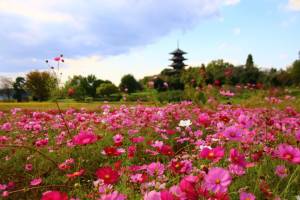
(246, 196)
(217, 180)
(54, 195)
(214, 154)
(84, 138)
(288, 153)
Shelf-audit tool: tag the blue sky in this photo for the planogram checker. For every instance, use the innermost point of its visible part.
(112, 38)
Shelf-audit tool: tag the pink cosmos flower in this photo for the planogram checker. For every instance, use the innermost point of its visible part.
(118, 139)
(237, 158)
(297, 135)
(166, 195)
(76, 174)
(233, 133)
(36, 182)
(57, 59)
(84, 138)
(54, 195)
(113, 196)
(138, 139)
(288, 153)
(152, 195)
(41, 142)
(6, 127)
(131, 151)
(3, 139)
(155, 169)
(5, 194)
(177, 192)
(3, 187)
(281, 171)
(214, 154)
(236, 169)
(28, 167)
(217, 180)
(138, 178)
(188, 186)
(246, 196)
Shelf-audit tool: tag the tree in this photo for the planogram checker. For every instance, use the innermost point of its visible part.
(6, 87)
(107, 89)
(295, 72)
(40, 84)
(84, 86)
(249, 61)
(215, 70)
(129, 84)
(19, 88)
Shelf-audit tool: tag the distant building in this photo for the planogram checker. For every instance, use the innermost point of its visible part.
(178, 59)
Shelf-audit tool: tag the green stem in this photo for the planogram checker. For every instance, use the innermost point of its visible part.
(290, 181)
(32, 149)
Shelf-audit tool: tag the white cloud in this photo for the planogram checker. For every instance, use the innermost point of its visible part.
(236, 31)
(231, 2)
(41, 28)
(294, 5)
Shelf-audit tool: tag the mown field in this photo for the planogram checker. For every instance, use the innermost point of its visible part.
(243, 147)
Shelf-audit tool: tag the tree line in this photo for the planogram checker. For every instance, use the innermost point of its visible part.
(42, 86)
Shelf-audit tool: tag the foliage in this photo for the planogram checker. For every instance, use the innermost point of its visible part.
(249, 61)
(129, 84)
(171, 96)
(19, 88)
(141, 96)
(84, 86)
(295, 72)
(107, 89)
(215, 71)
(40, 85)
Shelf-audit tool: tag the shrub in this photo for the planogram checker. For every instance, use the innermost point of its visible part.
(171, 96)
(107, 89)
(139, 97)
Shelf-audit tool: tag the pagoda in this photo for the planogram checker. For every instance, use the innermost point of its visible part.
(178, 59)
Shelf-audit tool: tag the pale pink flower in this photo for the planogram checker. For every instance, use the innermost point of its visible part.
(281, 171)
(155, 169)
(217, 180)
(36, 182)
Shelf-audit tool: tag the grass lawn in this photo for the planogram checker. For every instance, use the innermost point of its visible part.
(5, 106)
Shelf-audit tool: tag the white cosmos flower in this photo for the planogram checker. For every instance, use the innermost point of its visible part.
(185, 123)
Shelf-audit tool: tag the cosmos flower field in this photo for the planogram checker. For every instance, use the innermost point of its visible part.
(172, 152)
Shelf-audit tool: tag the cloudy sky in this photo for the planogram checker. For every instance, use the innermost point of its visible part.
(111, 38)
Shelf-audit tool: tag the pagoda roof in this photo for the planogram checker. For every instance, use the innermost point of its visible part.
(178, 51)
(177, 64)
(177, 58)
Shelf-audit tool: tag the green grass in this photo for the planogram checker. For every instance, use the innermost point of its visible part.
(6, 106)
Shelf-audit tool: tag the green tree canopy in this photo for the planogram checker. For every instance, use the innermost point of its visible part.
(129, 83)
(19, 88)
(107, 89)
(40, 84)
(249, 61)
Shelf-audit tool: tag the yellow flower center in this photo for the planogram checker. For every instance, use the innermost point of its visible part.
(211, 154)
(288, 156)
(218, 181)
